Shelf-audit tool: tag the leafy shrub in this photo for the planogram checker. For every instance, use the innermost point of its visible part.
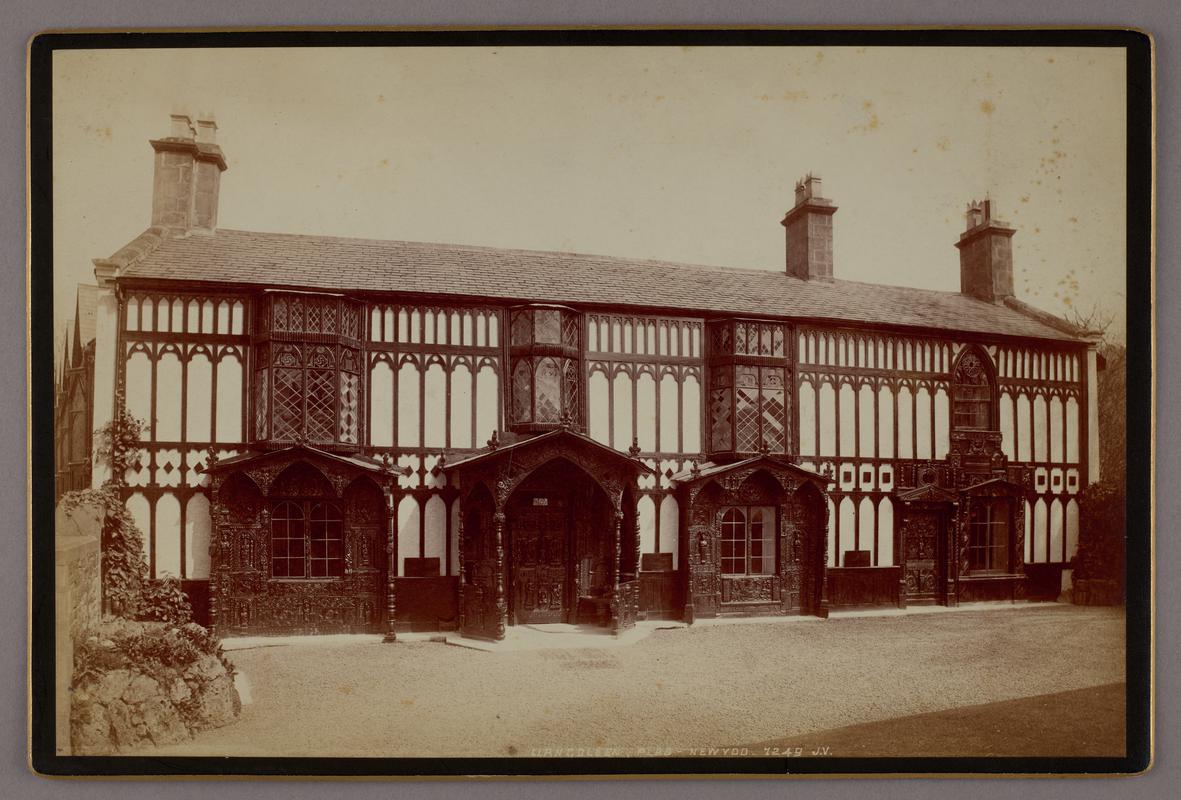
(1099, 563)
(150, 647)
(162, 600)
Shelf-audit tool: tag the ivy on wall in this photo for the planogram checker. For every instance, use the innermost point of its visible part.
(126, 589)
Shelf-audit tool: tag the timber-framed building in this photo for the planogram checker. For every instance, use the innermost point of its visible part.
(356, 435)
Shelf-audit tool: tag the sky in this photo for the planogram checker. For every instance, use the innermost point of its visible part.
(683, 154)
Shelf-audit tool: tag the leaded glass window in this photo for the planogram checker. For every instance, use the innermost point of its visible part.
(749, 395)
(759, 412)
(522, 393)
(545, 390)
(746, 409)
(287, 419)
(308, 382)
(547, 384)
(972, 409)
(721, 429)
(547, 326)
(321, 401)
(350, 410)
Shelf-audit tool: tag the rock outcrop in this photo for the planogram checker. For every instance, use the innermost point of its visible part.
(145, 683)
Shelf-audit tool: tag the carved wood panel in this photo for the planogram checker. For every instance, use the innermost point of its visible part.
(539, 563)
(921, 552)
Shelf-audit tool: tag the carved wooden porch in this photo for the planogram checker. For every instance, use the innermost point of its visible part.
(548, 533)
(299, 543)
(780, 509)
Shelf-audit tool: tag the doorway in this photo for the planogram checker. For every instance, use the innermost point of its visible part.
(925, 554)
(559, 546)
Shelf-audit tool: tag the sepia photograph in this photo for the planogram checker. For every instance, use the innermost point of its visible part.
(623, 403)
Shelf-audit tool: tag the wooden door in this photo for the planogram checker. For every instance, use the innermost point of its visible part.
(540, 573)
(924, 556)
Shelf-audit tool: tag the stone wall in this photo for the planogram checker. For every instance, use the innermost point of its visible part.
(77, 600)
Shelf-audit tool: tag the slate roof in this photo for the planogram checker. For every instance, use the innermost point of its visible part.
(84, 312)
(232, 462)
(506, 451)
(709, 469)
(363, 265)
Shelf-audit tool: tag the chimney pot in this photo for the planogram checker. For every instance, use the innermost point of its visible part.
(182, 127)
(986, 255)
(207, 130)
(812, 186)
(809, 232)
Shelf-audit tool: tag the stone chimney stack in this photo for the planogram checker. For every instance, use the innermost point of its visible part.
(986, 255)
(189, 164)
(809, 232)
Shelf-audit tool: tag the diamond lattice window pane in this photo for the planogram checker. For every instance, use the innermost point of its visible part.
(746, 420)
(774, 420)
(321, 405)
(288, 400)
(522, 393)
(349, 407)
(719, 414)
(548, 388)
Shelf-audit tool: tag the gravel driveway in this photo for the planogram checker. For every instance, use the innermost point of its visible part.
(697, 687)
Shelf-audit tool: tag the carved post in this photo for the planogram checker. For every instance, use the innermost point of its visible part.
(459, 538)
(391, 570)
(900, 554)
(688, 548)
(616, 617)
(214, 561)
(636, 534)
(822, 567)
(501, 600)
(953, 556)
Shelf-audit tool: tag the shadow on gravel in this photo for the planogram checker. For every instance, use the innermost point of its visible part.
(1078, 723)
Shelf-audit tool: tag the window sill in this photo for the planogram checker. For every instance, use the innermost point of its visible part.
(991, 576)
(305, 580)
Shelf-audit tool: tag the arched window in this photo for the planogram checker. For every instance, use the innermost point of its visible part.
(287, 542)
(327, 540)
(972, 389)
(748, 541)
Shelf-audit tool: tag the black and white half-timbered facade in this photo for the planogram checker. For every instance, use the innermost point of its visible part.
(354, 435)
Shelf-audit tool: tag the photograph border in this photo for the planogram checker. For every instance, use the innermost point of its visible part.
(1140, 370)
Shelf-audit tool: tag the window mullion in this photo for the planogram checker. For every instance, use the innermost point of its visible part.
(749, 509)
(307, 539)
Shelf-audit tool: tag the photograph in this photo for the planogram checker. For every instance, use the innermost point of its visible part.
(623, 404)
